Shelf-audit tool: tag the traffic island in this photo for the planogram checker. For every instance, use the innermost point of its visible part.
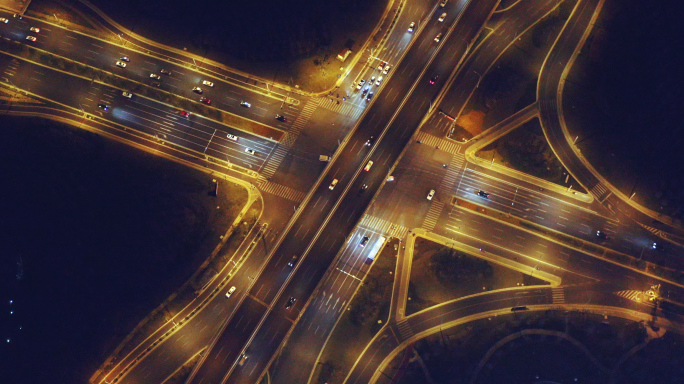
(555, 346)
(366, 314)
(442, 272)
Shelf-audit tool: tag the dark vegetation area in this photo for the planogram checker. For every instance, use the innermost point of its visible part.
(624, 101)
(105, 233)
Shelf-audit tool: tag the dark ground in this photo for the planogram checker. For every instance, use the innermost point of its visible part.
(105, 233)
(624, 101)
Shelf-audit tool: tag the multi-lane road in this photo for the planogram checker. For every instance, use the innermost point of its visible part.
(436, 66)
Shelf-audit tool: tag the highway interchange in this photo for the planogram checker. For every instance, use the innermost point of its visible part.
(323, 226)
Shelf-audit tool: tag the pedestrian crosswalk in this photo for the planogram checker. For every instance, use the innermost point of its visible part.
(290, 137)
(346, 108)
(383, 226)
(558, 295)
(432, 215)
(453, 172)
(404, 328)
(280, 190)
(600, 192)
(434, 141)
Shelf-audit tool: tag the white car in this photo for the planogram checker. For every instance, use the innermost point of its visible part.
(34, 29)
(438, 38)
(368, 166)
(441, 18)
(232, 137)
(412, 26)
(360, 84)
(127, 94)
(3, 20)
(155, 76)
(333, 184)
(32, 38)
(198, 90)
(121, 64)
(250, 151)
(377, 83)
(386, 70)
(230, 291)
(431, 194)
(207, 83)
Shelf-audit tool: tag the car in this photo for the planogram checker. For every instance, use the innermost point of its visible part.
(290, 302)
(230, 291)
(165, 72)
(34, 29)
(386, 70)
(370, 141)
(370, 96)
(482, 193)
(155, 76)
(156, 84)
(281, 118)
(377, 83)
(184, 114)
(127, 94)
(125, 58)
(360, 84)
(382, 65)
(365, 90)
(368, 166)
(121, 64)
(431, 194)
(3, 20)
(103, 106)
(208, 83)
(438, 37)
(434, 79)
(372, 80)
(232, 137)
(250, 151)
(245, 104)
(412, 26)
(442, 17)
(243, 359)
(364, 241)
(363, 189)
(601, 235)
(292, 261)
(32, 38)
(658, 247)
(198, 90)
(443, 3)
(205, 100)
(333, 184)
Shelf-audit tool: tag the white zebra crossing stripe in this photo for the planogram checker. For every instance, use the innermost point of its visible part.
(558, 295)
(280, 190)
(383, 226)
(600, 191)
(346, 108)
(432, 215)
(434, 141)
(636, 296)
(453, 171)
(290, 137)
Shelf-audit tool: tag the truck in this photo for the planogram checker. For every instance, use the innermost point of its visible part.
(324, 158)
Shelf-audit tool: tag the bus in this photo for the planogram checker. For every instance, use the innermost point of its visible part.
(375, 250)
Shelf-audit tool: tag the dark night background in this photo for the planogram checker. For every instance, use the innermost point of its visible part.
(69, 294)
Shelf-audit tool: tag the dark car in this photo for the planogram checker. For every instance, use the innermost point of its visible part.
(125, 58)
(482, 193)
(370, 96)
(103, 107)
(165, 72)
(363, 189)
(601, 235)
(156, 84)
(290, 302)
(370, 141)
(364, 241)
(281, 118)
(434, 79)
(658, 247)
(292, 261)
